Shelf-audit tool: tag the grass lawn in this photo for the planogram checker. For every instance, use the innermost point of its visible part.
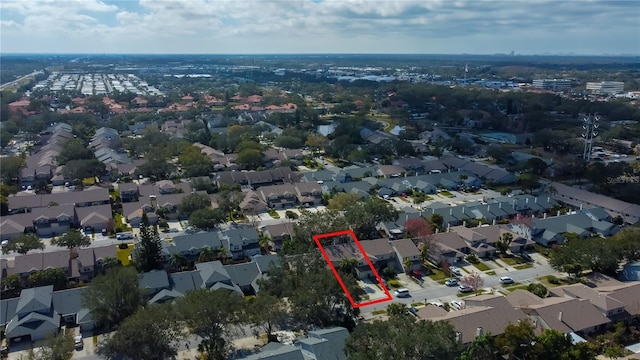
(379, 312)
(416, 304)
(124, 254)
(115, 194)
(523, 266)
(447, 194)
(519, 287)
(438, 275)
(490, 272)
(512, 260)
(274, 214)
(511, 285)
(545, 281)
(482, 266)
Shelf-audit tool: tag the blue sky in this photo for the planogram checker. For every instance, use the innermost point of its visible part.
(321, 26)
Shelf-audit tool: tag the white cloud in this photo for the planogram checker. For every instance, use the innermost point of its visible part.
(329, 26)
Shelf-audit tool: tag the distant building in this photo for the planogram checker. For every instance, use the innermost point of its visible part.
(552, 84)
(606, 87)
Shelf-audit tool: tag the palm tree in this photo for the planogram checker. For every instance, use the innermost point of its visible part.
(407, 265)
(178, 261)
(348, 265)
(265, 243)
(223, 255)
(206, 255)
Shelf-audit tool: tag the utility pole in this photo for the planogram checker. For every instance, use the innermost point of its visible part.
(589, 127)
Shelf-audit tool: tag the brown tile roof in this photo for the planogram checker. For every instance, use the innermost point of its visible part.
(406, 248)
(377, 247)
(571, 315)
(580, 291)
(492, 319)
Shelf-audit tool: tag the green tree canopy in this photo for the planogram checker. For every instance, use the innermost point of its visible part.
(207, 219)
(72, 239)
(150, 333)
(113, 297)
(364, 216)
(402, 338)
(147, 252)
(22, 244)
(341, 201)
(193, 202)
(211, 316)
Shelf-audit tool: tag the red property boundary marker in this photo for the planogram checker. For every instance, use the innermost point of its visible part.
(317, 238)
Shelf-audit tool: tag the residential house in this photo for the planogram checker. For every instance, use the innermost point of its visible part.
(379, 252)
(191, 245)
(89, 197)
(89, 261)
(54, 220)
(482, 314)
(133, 212)
(608, 306)
(214, 276)
(94, 218)
(252, 204)
(408, 254)
(550, 230)
(32, 315)
(317, 345)
(128, 192)
(390, 171)
(241, 242)
(410, 165)
(630, 213)
(25, 265)
(245, 276)
(279, 196)
(279, 233)
(448, 247)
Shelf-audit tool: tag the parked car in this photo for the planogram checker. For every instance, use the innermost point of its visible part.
(4, 243)
(413, 311)
(451, 282)
(456, 304)
(526, 256)
(436, 303)
(402, 293)
(124, 236)
(465, 288)
(506, 280)
(77, 341)
(416, 274)
(455, 270)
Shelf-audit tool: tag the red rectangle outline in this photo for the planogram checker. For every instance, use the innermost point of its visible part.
(317, 238)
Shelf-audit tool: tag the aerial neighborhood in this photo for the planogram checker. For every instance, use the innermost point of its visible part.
(486, 213)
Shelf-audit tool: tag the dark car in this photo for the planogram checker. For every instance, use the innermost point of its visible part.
(525, 256)
(416, 274)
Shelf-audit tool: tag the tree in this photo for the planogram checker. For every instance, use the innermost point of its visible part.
(207, 219)
(193, 202)
(267, 313)
(56, 347)
(402, 338)
(314, 296)
(10, 169)
(74, 149)
(536, 166)
(517, 339)
(72, 239)
(113, 297)
(482, 347)
(397, 309)
(206, 255)
(538, 289)
(150, 333)
(348, 265)
(364, 216)
(552, 344)
(148, 249)
(504, 243)
(22, 244)
(341, 201)
(529, 181)
(313, 223)
(13, 283)
(211, 316)
(317, 142)
(177, 261)
(56, 277)
(474, 281)
(437, 220)
(229, 201)
(420, 230)
(250, 159)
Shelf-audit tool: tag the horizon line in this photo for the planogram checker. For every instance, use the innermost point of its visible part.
(323, 54)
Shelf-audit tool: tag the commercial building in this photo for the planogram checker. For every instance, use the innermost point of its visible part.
(606, 87)
(552, 84)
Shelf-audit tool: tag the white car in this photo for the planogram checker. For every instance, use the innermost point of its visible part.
(451, 282)
(455, 270)
(77, 341)
(4, 243)
(506, 280)
(457, 304)
(436, 303)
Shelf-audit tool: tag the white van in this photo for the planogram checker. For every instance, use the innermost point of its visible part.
(401, 293)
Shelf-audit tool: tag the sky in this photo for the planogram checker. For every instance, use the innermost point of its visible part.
(585, 27)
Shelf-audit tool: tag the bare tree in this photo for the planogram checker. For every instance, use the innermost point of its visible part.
(474, 281)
